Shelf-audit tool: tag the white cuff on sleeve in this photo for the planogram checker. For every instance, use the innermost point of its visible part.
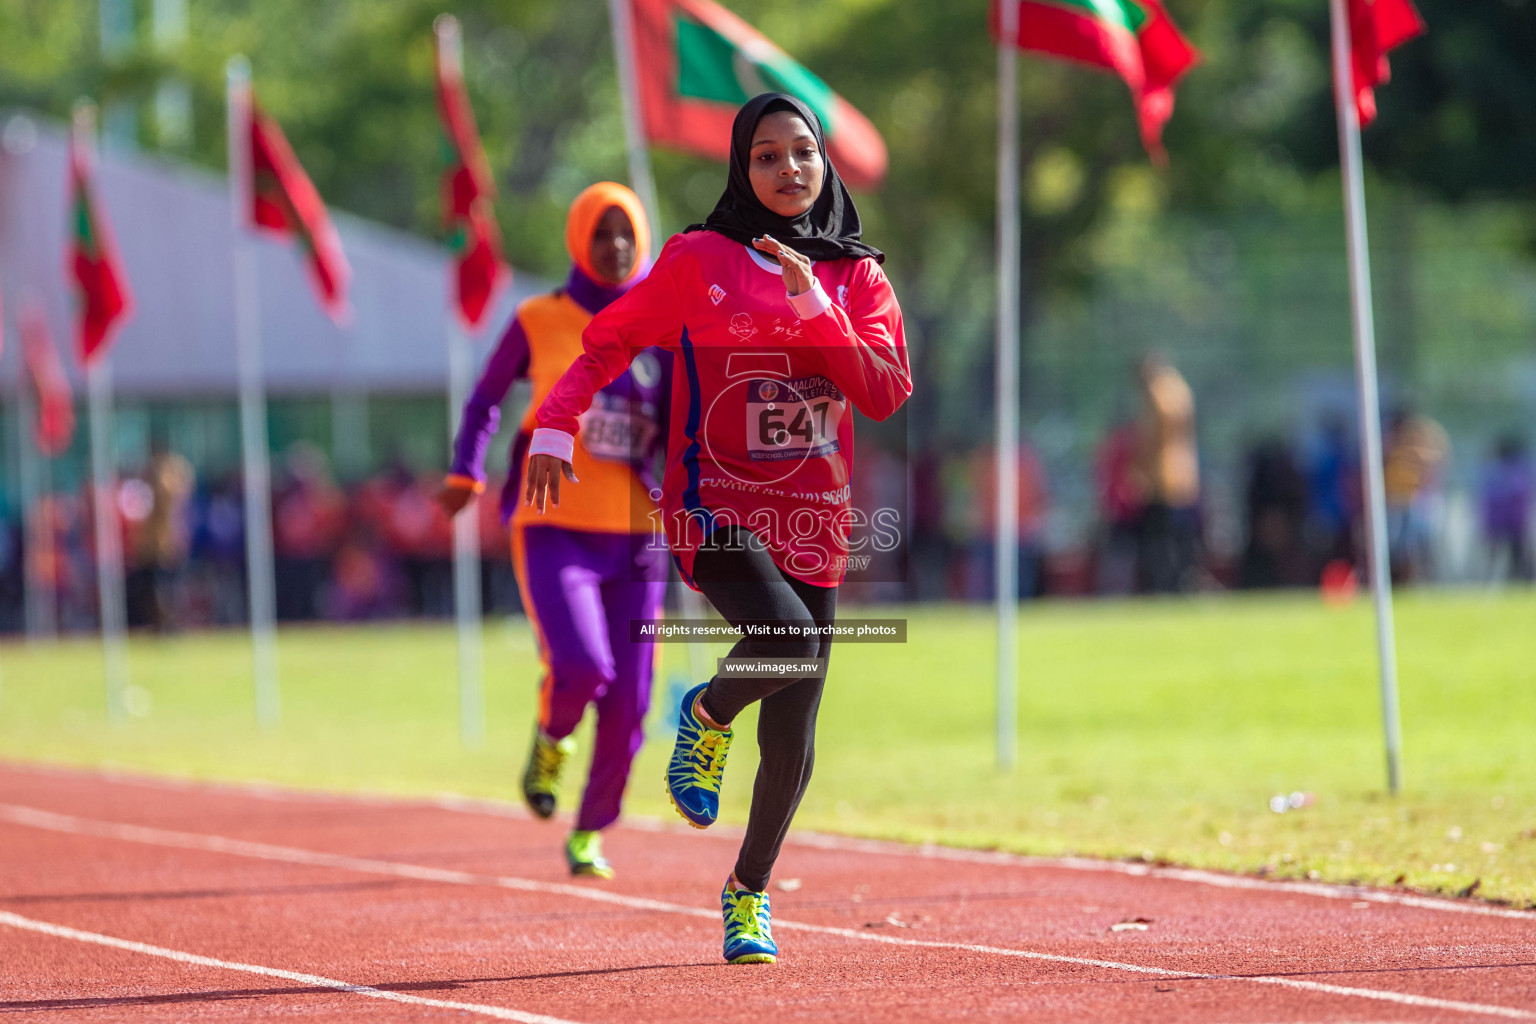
(811, 303)
(549, 441)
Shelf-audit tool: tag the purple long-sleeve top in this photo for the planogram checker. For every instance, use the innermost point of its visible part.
(509, 362)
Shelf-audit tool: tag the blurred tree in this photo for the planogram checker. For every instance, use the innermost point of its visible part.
(1253, 131)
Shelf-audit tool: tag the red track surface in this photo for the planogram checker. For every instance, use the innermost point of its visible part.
(252, 904)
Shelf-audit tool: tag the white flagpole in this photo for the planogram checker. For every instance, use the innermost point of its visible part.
(622, 21)
(1366, 383)
(1007, 541)
(33, 474)
(466, 525)
(466, 559)
(620, 17)
(253, 403)
(109, 546)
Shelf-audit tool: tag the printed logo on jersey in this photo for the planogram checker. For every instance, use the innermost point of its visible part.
(716, 294)
(743, 327)
(842, 295)
(787, 329)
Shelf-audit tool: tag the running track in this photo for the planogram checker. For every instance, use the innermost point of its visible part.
(127, 898)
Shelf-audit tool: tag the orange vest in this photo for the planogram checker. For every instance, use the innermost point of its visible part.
(611, 498)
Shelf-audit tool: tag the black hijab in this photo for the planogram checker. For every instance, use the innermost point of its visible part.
(829, 230)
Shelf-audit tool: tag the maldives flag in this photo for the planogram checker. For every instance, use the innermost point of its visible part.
(696, 63)
(1133, 38)
(1375, 27)
(468, 194)
(55, 399)
(284, 201)
(100, 284)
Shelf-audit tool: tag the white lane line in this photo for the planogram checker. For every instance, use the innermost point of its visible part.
(1353, 893)
(314, 980)
(815, 840)
(52, 821)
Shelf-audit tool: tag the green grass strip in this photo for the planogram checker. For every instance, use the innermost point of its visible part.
(1157, 730)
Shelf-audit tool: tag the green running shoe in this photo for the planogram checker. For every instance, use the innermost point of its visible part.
(584, 853)
(748, 927)
(541, 780)
(698, 761)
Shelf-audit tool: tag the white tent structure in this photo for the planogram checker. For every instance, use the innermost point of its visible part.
(173, 228)
(178, 240)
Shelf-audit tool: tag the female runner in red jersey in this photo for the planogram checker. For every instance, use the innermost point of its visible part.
(780, 318)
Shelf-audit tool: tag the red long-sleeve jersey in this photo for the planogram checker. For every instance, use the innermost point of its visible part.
(761, 435)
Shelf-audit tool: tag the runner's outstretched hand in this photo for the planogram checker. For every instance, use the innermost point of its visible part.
(453, 497)
(797, 268)
(544, 473)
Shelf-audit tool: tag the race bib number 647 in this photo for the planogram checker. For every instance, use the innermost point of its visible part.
(793, 419)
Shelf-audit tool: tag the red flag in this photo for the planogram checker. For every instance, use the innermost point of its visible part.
(697, 63)
(468, 194)
(55, 399)
(284, 200)
(100, 284)
(1376, 27)
(1133, 38)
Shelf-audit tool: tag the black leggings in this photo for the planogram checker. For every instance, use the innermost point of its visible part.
(738, 576)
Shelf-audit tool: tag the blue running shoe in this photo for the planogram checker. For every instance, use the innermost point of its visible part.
(698, 761)
(748, 927)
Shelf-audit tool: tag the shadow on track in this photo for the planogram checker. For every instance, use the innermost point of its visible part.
(223, 995)
(199, 894)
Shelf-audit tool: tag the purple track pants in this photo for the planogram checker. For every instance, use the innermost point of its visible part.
(581, 589)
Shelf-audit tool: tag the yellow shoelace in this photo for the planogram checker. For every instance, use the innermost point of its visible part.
(708, 757)
(745, 907)
(547, 759)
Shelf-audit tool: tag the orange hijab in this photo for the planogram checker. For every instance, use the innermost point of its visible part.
(587, 211)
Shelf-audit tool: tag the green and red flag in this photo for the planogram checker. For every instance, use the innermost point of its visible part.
(468, 193)
(101, 286)
(1133, 38)
(283, 200)
(696, 63)
(55, 399)
(1375, 27)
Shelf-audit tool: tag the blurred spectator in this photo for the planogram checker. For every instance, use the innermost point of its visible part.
(381, 548)
(154, 511)
(498, 583)
(981, 507)
(1276, 554)
(1168, 471)
(1416, 448)
(364, 584)
(1333, 493)
(216, 582)
(1121, 504)
(1508, 485)
(309, 515)
(931, 549)
(416, 534)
